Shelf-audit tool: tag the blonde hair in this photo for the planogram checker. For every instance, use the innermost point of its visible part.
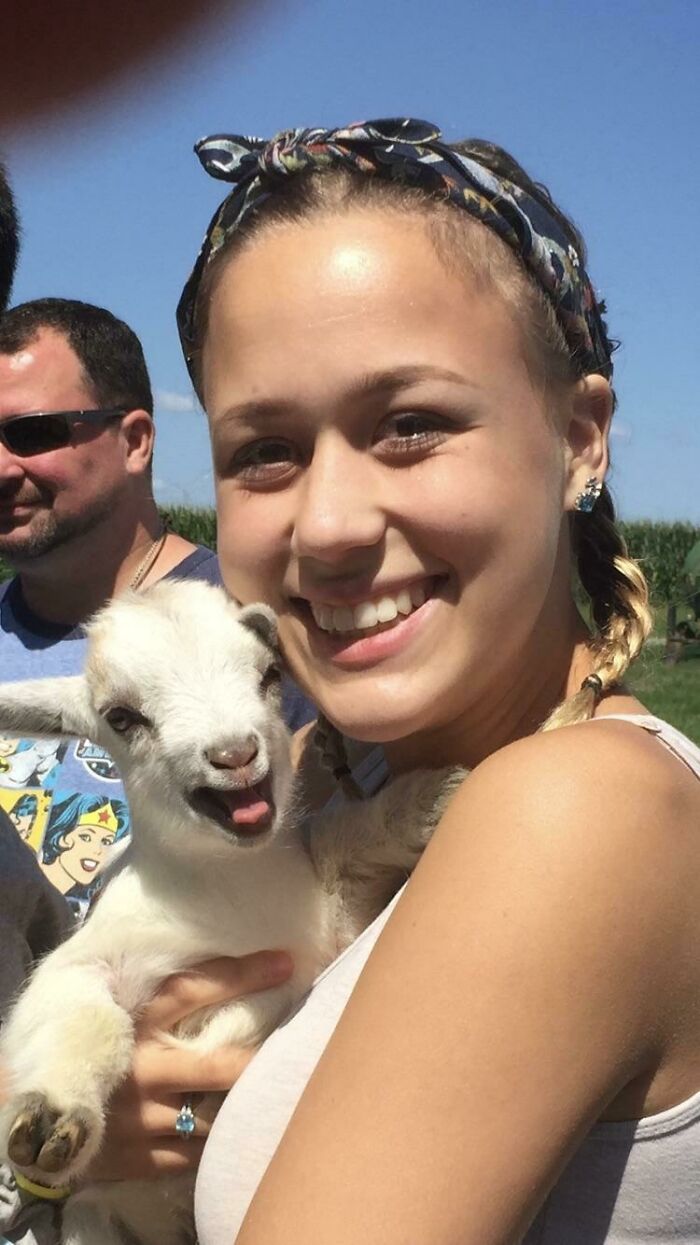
(619, 599)
(614, 583)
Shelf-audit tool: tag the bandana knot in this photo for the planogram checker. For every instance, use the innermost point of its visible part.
(412, 152)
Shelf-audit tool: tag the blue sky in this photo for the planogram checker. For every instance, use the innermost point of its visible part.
(598, 99)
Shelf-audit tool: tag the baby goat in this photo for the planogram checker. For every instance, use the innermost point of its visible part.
(182, 687)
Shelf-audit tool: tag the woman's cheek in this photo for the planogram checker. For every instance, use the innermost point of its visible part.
(248, 548)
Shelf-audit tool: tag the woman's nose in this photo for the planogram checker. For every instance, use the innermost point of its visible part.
(339, 504)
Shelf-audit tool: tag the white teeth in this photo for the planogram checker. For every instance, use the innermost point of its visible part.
(387, 609)
(323, 615)
(365, 616)
(343, 619)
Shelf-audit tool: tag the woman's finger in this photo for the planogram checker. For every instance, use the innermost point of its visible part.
(158, 1069)
(212, 983)
(157, 1118)
(136, 1162)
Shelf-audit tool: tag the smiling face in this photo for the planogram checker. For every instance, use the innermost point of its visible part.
(388, 478)
(48, 498)
(85, 852)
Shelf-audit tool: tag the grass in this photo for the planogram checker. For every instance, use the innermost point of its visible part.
(669, 692)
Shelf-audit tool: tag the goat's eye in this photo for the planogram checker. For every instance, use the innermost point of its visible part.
(271, 677)
(122, 719)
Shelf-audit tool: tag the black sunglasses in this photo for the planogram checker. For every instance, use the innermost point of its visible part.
(42, 431)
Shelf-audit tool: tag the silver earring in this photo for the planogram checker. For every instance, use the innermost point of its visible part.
(586, 500)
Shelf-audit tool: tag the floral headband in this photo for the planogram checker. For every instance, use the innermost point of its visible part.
(411, 152)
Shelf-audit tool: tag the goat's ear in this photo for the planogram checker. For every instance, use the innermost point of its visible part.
(46, 707)
(262, 621)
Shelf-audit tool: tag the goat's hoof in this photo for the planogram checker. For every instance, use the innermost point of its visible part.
(44, 1138)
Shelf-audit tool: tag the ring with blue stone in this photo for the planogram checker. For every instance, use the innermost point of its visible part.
(185, 1122)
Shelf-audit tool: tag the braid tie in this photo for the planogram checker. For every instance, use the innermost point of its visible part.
(619, 599)
(329, 743)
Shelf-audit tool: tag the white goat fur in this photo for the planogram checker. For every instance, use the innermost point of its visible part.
(186, 890)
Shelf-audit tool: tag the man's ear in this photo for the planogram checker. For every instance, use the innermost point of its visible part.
(586, 435)
(138, 431)
(46, 707)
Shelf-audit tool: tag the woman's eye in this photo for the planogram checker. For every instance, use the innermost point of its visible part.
(263, 460)
(411, 431)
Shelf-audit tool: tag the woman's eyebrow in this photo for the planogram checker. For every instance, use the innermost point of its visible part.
(371, 384)
(409, 374)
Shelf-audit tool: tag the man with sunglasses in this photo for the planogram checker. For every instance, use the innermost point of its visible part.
(33, 916)
(78, 523)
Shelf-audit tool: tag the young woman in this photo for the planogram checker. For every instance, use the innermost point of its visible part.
(407, 378)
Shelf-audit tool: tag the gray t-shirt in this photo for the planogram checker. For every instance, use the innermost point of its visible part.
(628, 1183)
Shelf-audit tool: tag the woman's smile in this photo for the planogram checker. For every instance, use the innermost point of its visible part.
(374, 629)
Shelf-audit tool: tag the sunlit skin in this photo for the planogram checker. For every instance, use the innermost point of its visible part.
(47, 493)
(84, 854)
(378, 427)
(86, 504)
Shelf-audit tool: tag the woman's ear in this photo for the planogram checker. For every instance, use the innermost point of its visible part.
(586, 435)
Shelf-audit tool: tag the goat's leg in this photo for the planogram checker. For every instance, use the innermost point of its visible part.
(363, 852)
(137, 1212)
(89, 1225)
(65, 1048)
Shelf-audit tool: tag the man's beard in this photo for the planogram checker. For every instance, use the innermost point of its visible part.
(48, 531)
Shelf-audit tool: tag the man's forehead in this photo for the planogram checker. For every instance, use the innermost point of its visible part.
(44, 374)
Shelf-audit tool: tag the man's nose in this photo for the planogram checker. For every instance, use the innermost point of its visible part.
(339, 503)
(10, 467)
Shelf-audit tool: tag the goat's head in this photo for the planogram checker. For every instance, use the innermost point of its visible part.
(182, 687)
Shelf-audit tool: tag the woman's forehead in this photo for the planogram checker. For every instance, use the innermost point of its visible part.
(347, 295)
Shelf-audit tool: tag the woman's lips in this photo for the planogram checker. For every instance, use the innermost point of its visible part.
(359, 648)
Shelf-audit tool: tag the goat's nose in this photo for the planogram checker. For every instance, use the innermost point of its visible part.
(236, 756)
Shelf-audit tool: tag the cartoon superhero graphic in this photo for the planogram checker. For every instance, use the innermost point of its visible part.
(23, 814)
(78, 842)
(8, 747)
(30, 762)
(96, 760)
(28, 811)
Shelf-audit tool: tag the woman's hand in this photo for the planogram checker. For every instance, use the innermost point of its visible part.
(141, 1140)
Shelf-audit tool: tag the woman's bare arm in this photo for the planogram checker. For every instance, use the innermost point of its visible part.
(529, 974)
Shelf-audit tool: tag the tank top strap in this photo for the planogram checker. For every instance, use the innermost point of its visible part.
(669, 736)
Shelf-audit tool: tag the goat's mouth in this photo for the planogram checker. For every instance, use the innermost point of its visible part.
(246, 811)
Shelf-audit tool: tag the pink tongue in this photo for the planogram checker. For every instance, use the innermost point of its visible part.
(247, 807)
(252, 813)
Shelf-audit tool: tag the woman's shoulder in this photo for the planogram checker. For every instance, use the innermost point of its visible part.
(600, 808)
(610, 767)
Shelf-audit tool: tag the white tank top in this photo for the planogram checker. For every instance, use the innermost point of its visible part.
(628, 1183)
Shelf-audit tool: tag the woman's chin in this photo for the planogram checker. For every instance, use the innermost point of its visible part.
(377, 713)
